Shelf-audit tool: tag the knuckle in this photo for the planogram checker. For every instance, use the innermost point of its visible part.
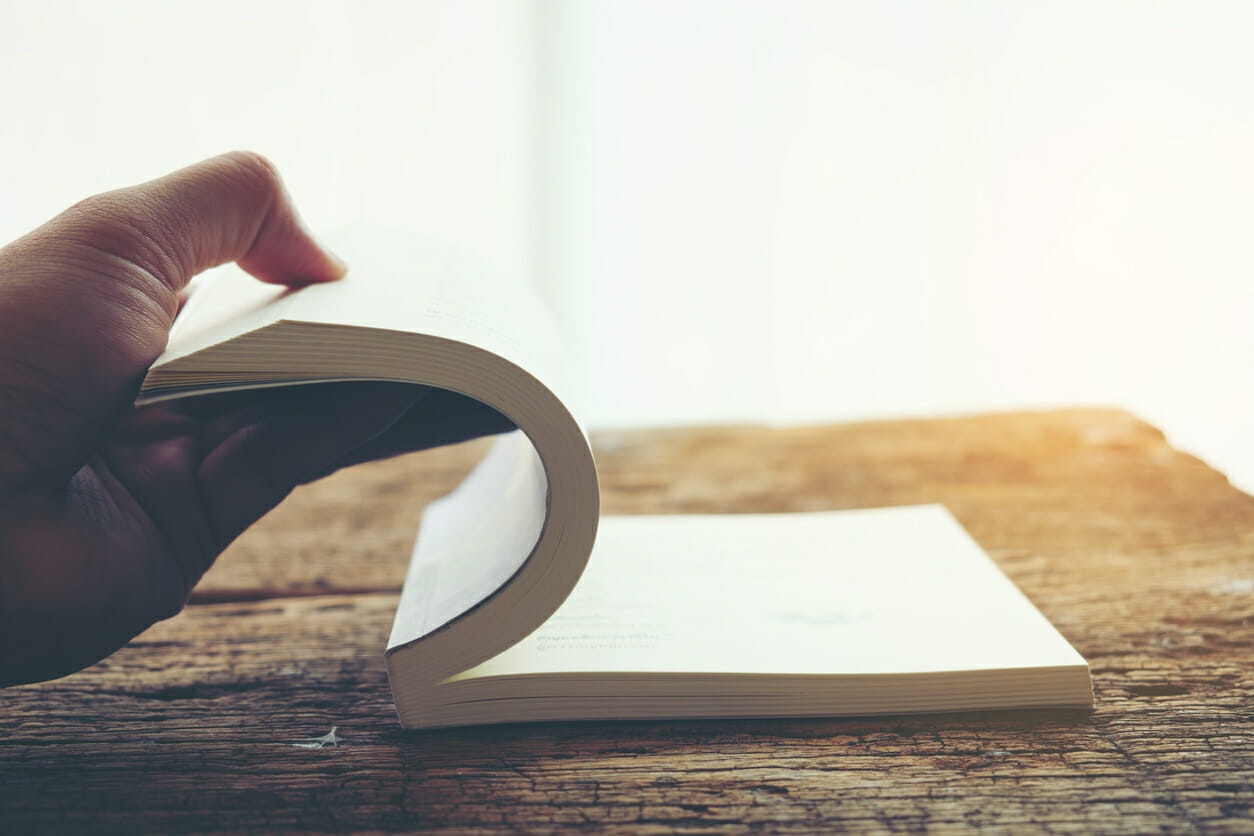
(110, 214)
(122, 225)
(258, 170)
(113, 222)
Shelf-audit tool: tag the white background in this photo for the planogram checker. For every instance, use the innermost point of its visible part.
(741, 211)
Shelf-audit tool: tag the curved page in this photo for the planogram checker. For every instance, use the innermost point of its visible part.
(500, 554)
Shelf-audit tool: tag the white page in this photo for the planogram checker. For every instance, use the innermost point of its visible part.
(474, 539)
(396, 282)
(870, 591)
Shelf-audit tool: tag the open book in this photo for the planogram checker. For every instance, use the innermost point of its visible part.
(509, 614)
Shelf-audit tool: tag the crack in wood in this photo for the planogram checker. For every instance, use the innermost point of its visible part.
(240, 596)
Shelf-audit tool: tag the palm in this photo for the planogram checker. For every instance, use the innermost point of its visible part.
(118, 550)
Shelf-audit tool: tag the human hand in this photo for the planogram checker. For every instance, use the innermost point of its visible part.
(110, 514)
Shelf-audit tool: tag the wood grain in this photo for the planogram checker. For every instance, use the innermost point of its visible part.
(1142, 556)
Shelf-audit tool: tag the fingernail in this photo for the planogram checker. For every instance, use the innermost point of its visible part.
(341, 266)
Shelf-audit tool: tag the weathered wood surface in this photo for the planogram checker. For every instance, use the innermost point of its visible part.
(1142, 556)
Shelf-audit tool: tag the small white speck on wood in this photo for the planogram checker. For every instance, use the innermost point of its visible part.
(328, 739)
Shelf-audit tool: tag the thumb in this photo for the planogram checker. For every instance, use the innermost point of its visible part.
(229, 208)
(87, 300)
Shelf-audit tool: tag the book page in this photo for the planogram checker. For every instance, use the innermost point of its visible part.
(860, 592)
(396, 282)
(473, 540)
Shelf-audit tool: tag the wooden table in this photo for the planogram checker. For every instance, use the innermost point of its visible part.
(1142, 556)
